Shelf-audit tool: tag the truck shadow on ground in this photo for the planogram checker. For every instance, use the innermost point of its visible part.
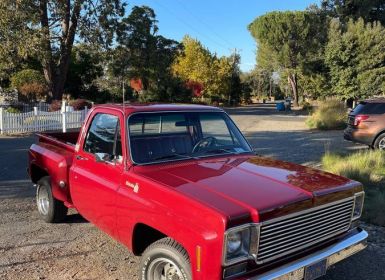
(75, 218)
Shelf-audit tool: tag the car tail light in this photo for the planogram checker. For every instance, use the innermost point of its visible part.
(359, 118)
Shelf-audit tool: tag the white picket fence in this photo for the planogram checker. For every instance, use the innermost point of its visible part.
(36, 121)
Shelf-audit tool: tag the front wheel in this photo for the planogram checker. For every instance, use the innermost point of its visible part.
(50, 209)
(165, 259)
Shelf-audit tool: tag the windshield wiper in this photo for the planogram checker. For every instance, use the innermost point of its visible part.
(173, 156)
(225, 150)
(219, 150)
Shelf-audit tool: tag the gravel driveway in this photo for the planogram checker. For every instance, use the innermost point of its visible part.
(31, 249)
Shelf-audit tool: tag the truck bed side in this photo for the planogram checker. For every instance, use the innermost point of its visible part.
(52, 156)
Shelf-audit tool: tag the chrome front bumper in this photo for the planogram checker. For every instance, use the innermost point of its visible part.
(335, 253)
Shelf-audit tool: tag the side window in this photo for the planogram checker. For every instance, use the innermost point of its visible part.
(102, 137)
(378, 108)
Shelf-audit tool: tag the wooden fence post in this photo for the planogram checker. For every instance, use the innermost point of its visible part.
(1, 121)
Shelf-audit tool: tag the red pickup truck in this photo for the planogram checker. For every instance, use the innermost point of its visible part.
(180, 186)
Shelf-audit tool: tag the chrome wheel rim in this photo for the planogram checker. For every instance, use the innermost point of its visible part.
(381, 144)
(164, 269)
(43, 201)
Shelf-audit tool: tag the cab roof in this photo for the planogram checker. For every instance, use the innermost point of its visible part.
(374, 100)
(157, 107)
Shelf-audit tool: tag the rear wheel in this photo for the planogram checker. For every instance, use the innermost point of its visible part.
(380, 142)
(50, 209)
(165, 259)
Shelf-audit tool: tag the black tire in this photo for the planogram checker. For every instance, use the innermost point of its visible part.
(380, 142)
(169, 251)
(50, 209)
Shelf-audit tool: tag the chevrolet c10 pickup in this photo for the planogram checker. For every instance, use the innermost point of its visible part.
(180, 186)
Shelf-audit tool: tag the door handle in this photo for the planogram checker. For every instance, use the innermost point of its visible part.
(81, 158)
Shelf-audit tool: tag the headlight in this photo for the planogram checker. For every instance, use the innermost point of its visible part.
(358, 205)
(237, 244)
(234, 242)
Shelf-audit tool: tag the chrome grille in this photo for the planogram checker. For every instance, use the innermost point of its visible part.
(285, 235)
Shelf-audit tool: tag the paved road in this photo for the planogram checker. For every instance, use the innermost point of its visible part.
(31, 249)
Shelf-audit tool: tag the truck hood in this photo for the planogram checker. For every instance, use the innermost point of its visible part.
(251, 188)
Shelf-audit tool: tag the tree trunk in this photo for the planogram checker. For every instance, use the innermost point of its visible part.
(292, 79)
(55, 73)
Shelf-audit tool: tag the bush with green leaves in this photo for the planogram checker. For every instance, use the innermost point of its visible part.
(368, 168)
(13, 110)
(26, 76)
(330, 114)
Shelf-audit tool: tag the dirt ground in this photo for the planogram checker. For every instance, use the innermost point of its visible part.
(75, 249)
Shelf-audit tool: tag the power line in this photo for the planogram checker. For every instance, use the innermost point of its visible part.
(205, 24)
(191, 27)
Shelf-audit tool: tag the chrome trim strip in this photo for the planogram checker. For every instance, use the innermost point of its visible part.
(238, 228)
(354, 205)
(352, 245)
(208, 110)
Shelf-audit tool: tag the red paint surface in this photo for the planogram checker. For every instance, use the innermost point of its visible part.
(192, 201)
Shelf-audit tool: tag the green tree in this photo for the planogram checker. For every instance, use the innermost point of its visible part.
(85, 67)
(288, 42)
(356, 58)
(368, 10)
(51, 27)
(17, 40)
(144, 54)
(194, 62)
(218, 75)
(341, 57)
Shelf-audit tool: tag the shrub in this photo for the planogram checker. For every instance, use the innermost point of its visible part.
(13, 110)
(330, 114)
(30, 83)
(368, 168)
(55, 106)
(79, 104)
(33, 91)
(306, 106)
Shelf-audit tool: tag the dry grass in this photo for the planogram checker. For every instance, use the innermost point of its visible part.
(330, 114)
(367, 167)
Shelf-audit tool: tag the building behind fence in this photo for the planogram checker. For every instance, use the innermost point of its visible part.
(37, 120)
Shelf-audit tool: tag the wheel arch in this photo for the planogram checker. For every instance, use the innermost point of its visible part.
(37, 172)
(144, 235)
(377, 135)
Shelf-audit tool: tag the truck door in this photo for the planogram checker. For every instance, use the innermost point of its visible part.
(96, 171)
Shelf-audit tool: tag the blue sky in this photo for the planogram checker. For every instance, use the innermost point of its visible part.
(220, 25)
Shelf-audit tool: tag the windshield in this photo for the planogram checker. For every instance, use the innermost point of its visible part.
(157, 137)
